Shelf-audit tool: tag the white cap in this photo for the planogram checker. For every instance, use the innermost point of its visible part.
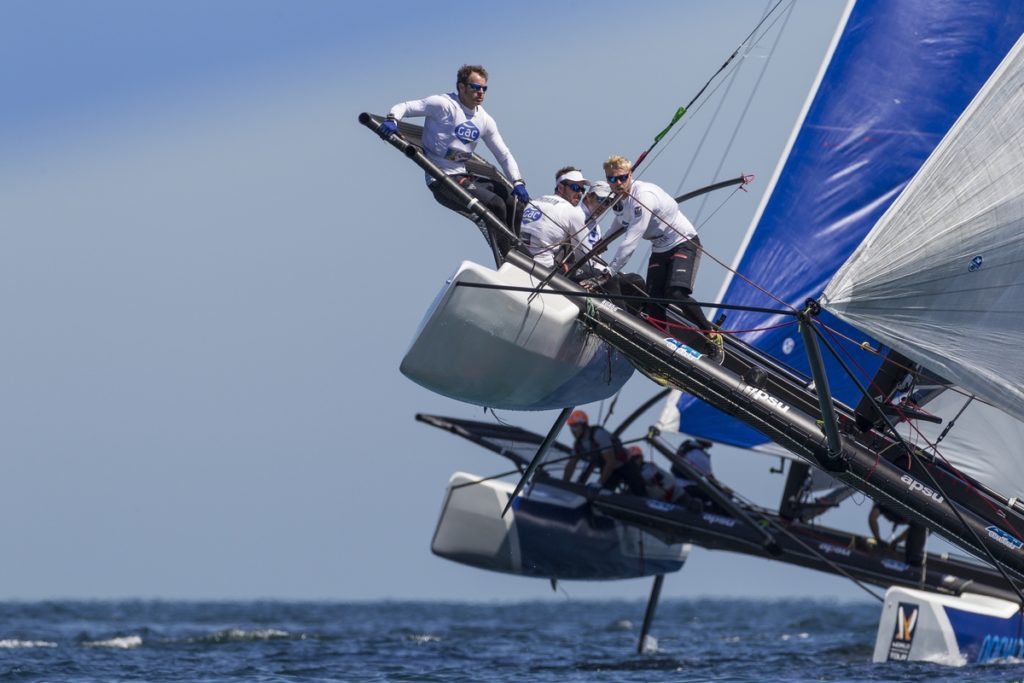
(572, 177)
(601, 189)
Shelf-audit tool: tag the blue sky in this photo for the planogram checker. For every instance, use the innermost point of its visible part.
(211, 273)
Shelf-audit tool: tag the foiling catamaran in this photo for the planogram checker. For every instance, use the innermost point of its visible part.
(911, 125)
(567, 530)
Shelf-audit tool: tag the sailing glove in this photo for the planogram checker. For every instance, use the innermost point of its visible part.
(520, 192)
(592, 283)
(387, 129)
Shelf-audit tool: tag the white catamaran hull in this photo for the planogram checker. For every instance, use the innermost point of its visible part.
(945, 629)
(549, 533)
(497, 348)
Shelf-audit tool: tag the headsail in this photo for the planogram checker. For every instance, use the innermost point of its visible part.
(896, 78)
(941, 277)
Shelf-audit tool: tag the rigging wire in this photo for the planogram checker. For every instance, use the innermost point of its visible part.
(931, 477)
(813, 551)
(682, 110)
(750, 99)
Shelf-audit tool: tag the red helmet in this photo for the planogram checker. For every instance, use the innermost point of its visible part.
(635, 452)
(578, 417)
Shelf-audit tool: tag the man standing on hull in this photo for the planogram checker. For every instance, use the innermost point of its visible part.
(648, 212)
(454, 123)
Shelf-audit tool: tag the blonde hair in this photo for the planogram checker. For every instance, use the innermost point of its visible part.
(616, 161)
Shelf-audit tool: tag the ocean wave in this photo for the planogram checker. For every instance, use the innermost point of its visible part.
(118, 643)
(234, 635)
(12, 643)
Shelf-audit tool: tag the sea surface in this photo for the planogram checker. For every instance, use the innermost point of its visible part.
(696, 640)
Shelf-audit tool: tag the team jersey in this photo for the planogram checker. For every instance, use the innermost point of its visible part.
(650, 213)
(451, 132)
(593, 229)
(548, 223)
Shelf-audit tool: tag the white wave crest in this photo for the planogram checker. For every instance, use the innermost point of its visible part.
(119, 643)
(258, 634)
(12, 643)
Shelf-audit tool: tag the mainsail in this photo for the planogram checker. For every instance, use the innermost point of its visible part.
(895, 80)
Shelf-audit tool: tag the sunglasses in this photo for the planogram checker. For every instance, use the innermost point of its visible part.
(477, 87)
(613, 179)
(575, 187)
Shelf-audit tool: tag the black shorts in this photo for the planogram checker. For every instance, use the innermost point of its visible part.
(675, 268)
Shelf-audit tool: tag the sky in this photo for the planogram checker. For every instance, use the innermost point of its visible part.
(211, 271)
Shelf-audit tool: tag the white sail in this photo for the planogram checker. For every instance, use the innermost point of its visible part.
(940, 278)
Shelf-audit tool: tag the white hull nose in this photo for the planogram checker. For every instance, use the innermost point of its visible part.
(496, 348)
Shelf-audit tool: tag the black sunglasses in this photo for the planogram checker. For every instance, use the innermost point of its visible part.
(612, 179)
(477, 86)
(574, 186)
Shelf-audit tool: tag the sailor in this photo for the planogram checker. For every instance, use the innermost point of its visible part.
(594, 202)
(603, 449)
(648, 212)
(659, 484)
(915, 535)
(454, 123)
(553, 225)
(695, 453)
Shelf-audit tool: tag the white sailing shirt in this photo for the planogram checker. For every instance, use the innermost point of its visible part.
(451, 132)
(550, 222)
(652, 214)
(593, 235)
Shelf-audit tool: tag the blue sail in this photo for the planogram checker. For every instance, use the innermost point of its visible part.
(898, 76)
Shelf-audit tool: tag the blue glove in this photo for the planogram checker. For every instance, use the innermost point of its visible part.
(520, 193)
(387, 129)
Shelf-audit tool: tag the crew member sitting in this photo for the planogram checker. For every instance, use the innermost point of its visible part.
(603, 449)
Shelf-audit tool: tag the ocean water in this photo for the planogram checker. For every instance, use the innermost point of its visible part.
(697, 640)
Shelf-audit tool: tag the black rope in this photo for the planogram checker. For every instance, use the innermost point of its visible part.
(621, 297)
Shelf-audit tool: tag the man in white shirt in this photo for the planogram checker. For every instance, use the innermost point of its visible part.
(648, 212)
(454, 123)
(553, 225)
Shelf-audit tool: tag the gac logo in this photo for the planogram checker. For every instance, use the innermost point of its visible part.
(467, 132)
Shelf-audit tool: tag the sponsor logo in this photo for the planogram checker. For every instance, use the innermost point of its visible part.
(660, 505)
(997, 534)
(718, 519)
(637, 211)
(467, 132)
(677, 345)
(1000, 647)
(975, 263)
(903, 636)
(764, 397)
(834, 549)
(788, 345)
(530, 214)
(915, 485)
(895, 565)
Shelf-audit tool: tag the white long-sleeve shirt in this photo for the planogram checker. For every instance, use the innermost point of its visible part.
(549, 222)
(451, 132)
(652, 214)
